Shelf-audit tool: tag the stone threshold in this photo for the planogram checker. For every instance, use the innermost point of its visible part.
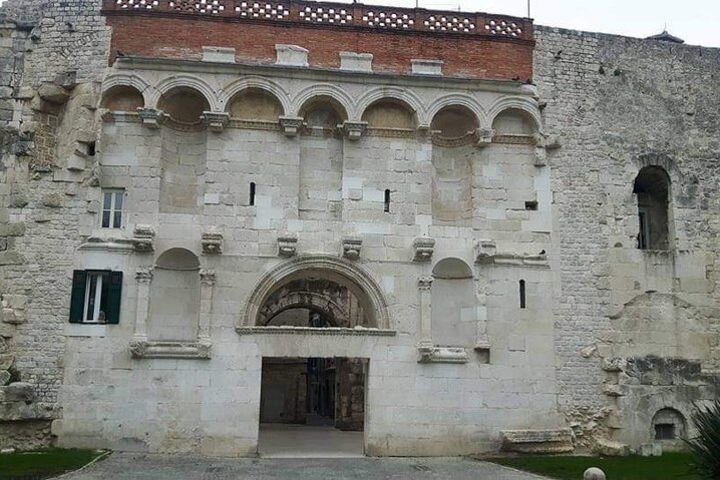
(357, 331)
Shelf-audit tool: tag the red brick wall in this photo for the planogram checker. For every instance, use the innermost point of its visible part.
(474, 56)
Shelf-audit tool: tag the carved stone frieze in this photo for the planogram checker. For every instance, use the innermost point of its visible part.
(212, 243)
(216, 121)
(354, 130)
(143, 238)
(151, 117)
(291, 125)
(434, 354)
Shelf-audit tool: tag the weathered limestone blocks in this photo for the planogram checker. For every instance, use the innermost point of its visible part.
(291, 55)
(433, 354)
(218, 54)
(13, 308)
(356, 62)
(50, 92)
(610, 448)
(538, 441)
(426, 66)
(354, 130)
(650, 450)
(151, 117)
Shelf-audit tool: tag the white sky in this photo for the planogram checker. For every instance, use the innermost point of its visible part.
(695, 21)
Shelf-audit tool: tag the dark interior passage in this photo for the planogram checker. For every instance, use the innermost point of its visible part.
(314, 391)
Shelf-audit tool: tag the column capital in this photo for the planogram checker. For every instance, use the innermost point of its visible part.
(207, 276)
(144, 275)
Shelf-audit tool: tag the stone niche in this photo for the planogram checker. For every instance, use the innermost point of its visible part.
(454, 304)
(175, 297)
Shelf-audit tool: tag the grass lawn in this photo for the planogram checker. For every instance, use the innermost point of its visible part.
(670, 466)
(45, 463)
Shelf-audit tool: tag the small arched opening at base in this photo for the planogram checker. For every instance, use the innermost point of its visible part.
(668, 425)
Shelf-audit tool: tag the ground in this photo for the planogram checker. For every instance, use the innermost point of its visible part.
(43, 463)
(671, 466)
(128, 466)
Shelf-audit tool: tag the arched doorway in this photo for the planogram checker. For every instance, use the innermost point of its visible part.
(314, 405)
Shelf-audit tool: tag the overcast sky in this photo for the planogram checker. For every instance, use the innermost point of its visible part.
(695, 21)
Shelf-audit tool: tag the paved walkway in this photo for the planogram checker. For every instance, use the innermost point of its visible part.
(129, 466)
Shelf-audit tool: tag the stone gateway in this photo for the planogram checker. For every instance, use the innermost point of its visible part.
(417, 232)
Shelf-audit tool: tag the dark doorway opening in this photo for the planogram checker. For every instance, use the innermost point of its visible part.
(312, 406)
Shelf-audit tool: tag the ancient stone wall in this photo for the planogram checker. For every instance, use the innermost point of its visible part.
(620, 104)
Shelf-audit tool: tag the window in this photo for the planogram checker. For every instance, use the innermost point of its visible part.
(95, 296)
(652, 189)
(252, 193)
(387, 201)
(112, 206)
(522, 294)
(531, 205)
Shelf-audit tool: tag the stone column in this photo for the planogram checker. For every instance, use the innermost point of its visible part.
(424, 287)
(207, 281)
(143, 277)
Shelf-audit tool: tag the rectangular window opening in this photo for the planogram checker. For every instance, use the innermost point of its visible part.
(387, 201)
(112, 208)
(531, 205)
(252, 193)
(522, 294)
(91, 149)
(96, 296)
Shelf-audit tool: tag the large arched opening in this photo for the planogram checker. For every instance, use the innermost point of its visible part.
(315, 403)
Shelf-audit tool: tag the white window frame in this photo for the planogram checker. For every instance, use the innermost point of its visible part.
(115, 193)
(98, 278)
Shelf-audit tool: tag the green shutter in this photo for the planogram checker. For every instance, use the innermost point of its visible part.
(77, 299)
(112, 315)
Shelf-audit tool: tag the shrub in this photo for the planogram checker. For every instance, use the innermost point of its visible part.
(706, 445)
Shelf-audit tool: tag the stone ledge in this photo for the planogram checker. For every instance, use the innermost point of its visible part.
(358, 331)
(537, 441)
(432, 354)
(192, 350)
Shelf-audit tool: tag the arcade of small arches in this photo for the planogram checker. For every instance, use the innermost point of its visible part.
(257, 102)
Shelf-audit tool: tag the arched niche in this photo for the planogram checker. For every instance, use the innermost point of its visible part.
(652, 189)
(514, 121)
(668, 425)
(255, 104)
(343, 293)
(184, 104)
(390, 113)
(454, 121)
(122, 98)
(453, 317)
(323, 112)
(175, 297)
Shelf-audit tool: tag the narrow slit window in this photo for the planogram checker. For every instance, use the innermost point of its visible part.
(387, 201)
(522, 294)
(531, 205)
(252, 193)
(91, 149)
(112, 208)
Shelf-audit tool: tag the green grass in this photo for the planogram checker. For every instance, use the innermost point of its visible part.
(671, 466)
(38, 464)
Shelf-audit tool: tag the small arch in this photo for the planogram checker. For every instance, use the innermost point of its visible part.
(452, 269)
(402, 95)
(255, 82)
(122, 98)
(525, 106)
(390, 113)
(178, 259)
(325, 90)
(184, 104)
(323, 111)
(138, 83)
(514, 121)
(188, 82)
(669, 424)
(454, 121)
(255, 104)
(652, 188)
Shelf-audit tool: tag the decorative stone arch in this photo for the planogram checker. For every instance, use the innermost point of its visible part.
(323, 90)
(457, 99)
(230, 90)
(355, 275)
(304, 299)
(524, 104)
(391, 93)
(188, 81)
(148, 92)
(659, 160)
